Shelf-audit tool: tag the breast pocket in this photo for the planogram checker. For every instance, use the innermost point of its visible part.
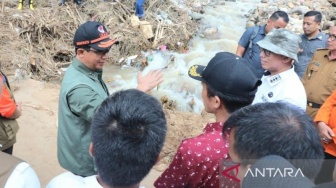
(8, 129)
(311, 70)
(3, 135)
(332, 80)
(311, 52)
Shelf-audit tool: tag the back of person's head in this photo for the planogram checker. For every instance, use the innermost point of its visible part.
(275, 129)
(280, 14)
(229, 77)
(128, 133)
(317, 14)
(274, 180)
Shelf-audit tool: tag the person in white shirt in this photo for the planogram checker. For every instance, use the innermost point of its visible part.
(278, 50)
(15, 173)
(128, 132)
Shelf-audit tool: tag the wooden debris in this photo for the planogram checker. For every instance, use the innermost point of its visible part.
(47, 32)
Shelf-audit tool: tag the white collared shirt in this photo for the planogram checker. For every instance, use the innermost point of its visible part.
(70, 180)
(285, 86)
(23, 176)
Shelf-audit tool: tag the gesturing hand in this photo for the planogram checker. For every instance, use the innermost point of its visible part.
(151, 80)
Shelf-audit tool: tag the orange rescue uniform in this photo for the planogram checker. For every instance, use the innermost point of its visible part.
(327, 114)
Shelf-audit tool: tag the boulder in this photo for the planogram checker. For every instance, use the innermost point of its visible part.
(210, 31)
(332, 2)
(290, 5)
(196, 16)
(135, 22)
(146, 29)
(249, 24)
(299, 10)
(327, 25)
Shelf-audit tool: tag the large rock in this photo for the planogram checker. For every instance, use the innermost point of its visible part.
(249, 24)
(299, 10)
(135, 22)
(309, 4)
(196, 16)
(146, 29)
(210, 31)
(328, 24)
(332, 2)
(295, 9)
(290, 5)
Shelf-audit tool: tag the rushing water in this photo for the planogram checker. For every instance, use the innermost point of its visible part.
(227, 17)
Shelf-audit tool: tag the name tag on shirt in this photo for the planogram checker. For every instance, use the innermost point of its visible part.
(274, 79)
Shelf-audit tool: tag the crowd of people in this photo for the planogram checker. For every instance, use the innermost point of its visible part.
(268, 113)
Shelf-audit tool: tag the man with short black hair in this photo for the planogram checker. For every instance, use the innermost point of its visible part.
(128, 133)
(278, 50)
(82, 91)
(229, 83)
(247, 45)
(312, 39)
(279, 128)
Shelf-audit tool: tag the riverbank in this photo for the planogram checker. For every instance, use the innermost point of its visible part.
(36, 140)
(37, 136)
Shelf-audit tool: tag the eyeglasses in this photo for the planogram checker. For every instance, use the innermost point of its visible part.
(99, 52)
(331, 36)
(266, 52)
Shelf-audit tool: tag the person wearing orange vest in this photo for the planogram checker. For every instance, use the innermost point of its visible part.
(325, 120)
(10, 110)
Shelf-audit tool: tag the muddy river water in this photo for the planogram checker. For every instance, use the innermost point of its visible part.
(227, 18)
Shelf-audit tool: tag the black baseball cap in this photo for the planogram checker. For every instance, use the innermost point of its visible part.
(93, 34)
(228, 74)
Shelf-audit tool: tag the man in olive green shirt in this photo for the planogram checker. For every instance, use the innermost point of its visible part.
(82, 91)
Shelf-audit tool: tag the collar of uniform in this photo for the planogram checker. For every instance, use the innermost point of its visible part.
(319, 36)
(327, 55)
(83, 69)
(211, 127)
(91, 181)
(275, 79)
(262, 30)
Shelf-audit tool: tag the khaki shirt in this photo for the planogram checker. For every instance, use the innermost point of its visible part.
(319, 79)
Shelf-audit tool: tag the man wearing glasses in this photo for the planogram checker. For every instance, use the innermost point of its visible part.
(319, 79)
(278, 50)
(82, 91)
